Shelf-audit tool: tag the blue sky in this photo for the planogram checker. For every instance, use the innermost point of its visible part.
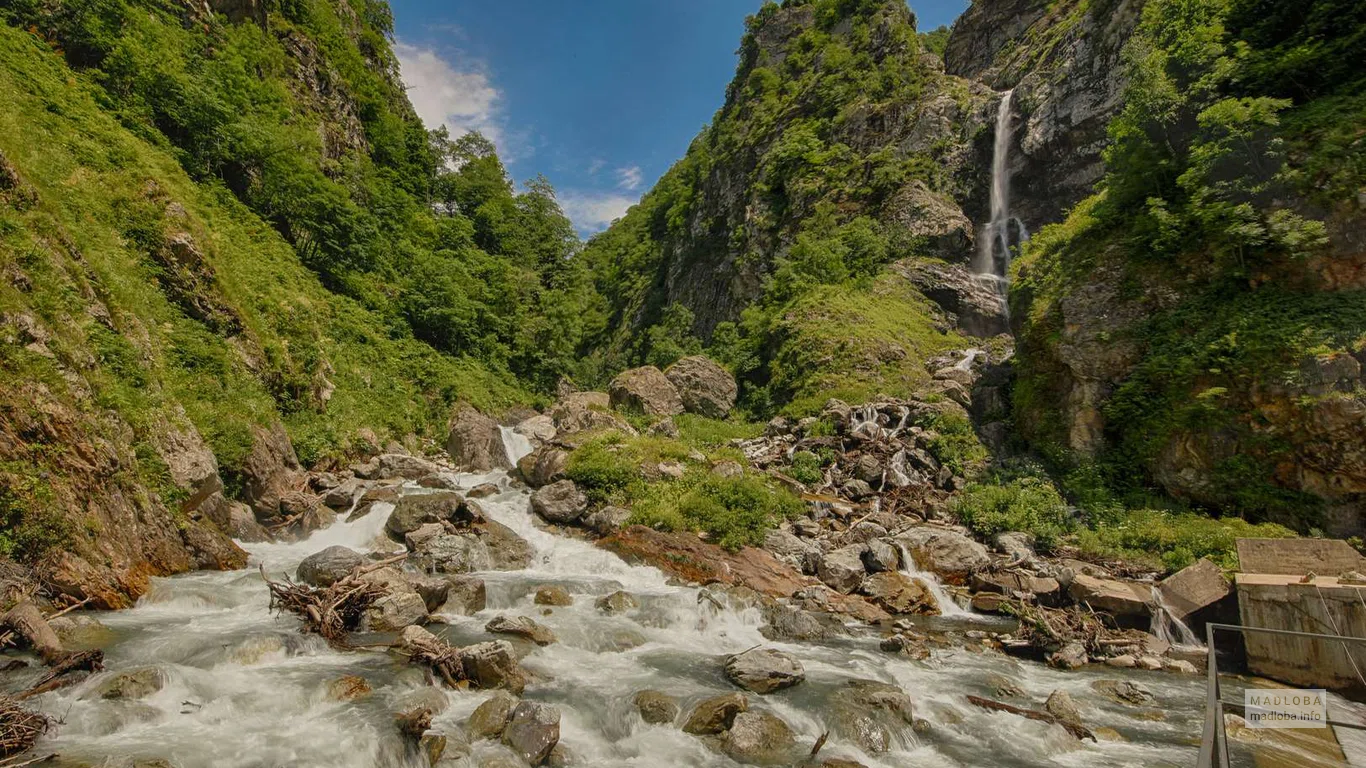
(601, 96)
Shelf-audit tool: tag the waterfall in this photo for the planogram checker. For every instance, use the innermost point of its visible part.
(515, 444)
(992, 261)
(1168, 628)
(947, 605)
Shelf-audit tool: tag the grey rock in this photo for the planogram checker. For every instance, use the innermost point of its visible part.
(949, 554)
(1061, 706)
(764, 670)
(434, 590)
(559, 502)
(544, 466)
(607, 520)
(876, 716)
(645, 390)
(533, 731)
(842, 570)
(760, 738)
(493, 665)
(475, 442)
(617, 602)
(656, 707)
(879, 556)
(491, 718)
(705, 387)
(465, 595)
(1070, 656)
(395, 611)
(553, 594)
(131, 684)
(716, 714)
(521, 626)
(325, 567)
(412, 512)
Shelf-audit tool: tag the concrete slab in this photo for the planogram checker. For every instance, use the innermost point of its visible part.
(1193, 588)
(1327, 557)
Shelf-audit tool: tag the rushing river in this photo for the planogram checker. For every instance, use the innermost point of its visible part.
(244, 689)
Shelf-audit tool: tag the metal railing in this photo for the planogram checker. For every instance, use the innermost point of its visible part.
(1214, 742)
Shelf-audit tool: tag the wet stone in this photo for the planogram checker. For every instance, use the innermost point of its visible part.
(656, 707)
(489, 719)
(533, 731)
(521, 626)
(715, 715)
(617, 602)
(553, 594)
(764, 670)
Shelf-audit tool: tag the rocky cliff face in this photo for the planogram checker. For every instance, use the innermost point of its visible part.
(1198, 326)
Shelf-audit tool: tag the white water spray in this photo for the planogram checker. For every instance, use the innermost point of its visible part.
(992, 261)
(1170, 629)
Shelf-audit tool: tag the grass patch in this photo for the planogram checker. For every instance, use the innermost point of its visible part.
(1028, 504)
(1173, 540)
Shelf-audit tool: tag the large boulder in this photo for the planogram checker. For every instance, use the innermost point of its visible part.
(506, 550)
(490, 719)
(326, 567)
(465, 595)
(1193, 588)
(395, 611)
(874, 715)
(533, 731)
(759, 738)
(543, 466)
(475, 442)
(1113, 596)
(493, 665)
(897, 593)
(452, 553)
(521, 626)
(412, 512)
(705, 388)
(764, 670)
(402, 465)
(559, 502)
(655, 707)
(270, 470)
(951, 555)
(842, 570)
(716, 714)
(645, 390)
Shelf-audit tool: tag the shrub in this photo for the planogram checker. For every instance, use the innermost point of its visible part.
(1026, 504)
(806, 468)
(604, 472)
(1174, 540)
(736, 510)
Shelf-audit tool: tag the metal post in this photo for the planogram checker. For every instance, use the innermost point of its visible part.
(1211, 753)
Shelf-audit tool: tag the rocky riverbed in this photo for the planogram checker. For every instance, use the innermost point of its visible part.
(622, 664)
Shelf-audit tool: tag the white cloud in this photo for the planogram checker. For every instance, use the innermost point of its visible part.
(596, 166)
(592, 211)
(629, 178)
(443, 95)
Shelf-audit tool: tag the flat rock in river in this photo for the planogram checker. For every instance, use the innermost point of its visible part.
(764, 670)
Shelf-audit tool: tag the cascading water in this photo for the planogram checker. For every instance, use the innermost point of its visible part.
(242, 688)
(1170, 629)
(992, 261)
(947, 605)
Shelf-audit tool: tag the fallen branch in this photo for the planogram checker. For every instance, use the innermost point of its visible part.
(440, 657)
(81, 661)
(1076, 729)
(19, 728)
(27, 621)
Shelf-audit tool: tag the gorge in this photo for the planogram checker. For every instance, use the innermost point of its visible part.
(895, 420)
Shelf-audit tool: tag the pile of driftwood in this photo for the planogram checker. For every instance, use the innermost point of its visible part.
(19, 728)
(440, 658)
(332, 611)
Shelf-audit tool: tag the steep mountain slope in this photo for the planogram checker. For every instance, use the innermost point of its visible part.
(1199, 324)
(156, 329)
(844, 148)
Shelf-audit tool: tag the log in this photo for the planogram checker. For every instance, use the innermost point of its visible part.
(82, 661)
(28, 622)
(1076, 729)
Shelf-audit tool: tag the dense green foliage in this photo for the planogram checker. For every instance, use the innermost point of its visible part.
(1026, 504)
(300, 114)
(1240, 135)
(734, 511)
(809, 234)
(156, 296)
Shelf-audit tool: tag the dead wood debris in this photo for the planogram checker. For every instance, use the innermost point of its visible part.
(330, 611)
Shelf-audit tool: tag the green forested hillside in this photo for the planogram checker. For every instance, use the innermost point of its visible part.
(775, 227)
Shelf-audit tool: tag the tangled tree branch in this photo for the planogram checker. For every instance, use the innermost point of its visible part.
(330, 611)
(19, 728)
